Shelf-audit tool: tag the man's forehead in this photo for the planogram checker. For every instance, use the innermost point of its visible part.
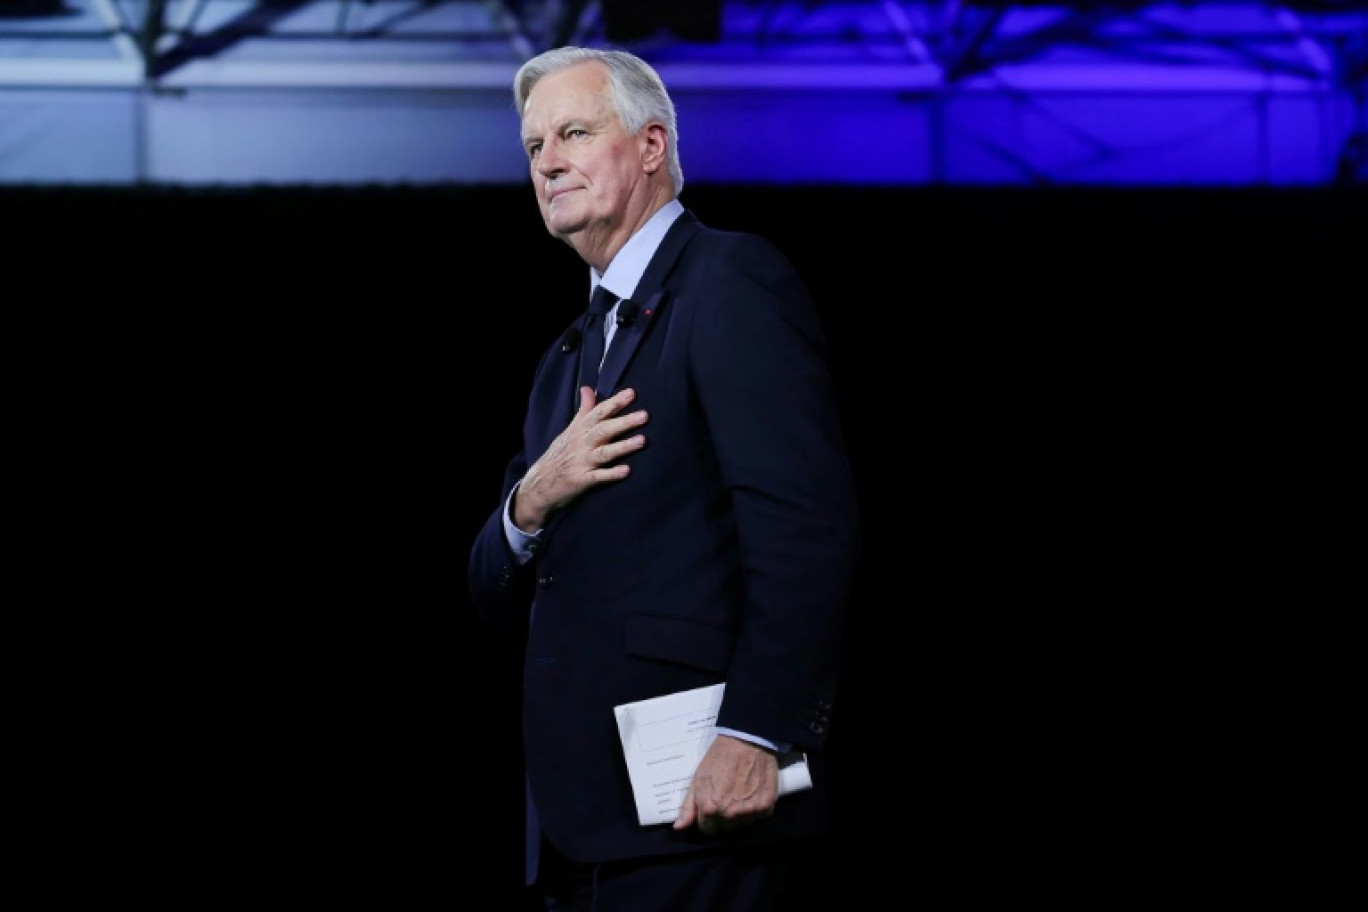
(552, 115)
(581, 81)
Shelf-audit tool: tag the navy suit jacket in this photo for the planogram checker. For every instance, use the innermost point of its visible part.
(728, 554)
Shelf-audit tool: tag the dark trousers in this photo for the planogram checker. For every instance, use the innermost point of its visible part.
(727, 879)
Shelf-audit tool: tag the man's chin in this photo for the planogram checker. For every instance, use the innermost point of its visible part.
(564, 228)
(563, 213)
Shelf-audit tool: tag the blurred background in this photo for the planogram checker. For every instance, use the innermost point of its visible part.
(282, 285)
(214, 92)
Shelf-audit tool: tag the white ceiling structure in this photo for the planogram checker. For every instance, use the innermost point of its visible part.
(418, 91)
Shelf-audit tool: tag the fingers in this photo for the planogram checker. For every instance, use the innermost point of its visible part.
(587, 401)
(612, 405)
(612, 449)
(713, 817)
(602, 432)
(715, 808)
(686, 811)
(735, 784)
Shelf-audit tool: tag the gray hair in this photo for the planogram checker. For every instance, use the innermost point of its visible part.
(635, 91)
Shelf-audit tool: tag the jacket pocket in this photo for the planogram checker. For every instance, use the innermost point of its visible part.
(680, 640)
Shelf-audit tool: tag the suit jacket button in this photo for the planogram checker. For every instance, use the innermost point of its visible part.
(817, 728)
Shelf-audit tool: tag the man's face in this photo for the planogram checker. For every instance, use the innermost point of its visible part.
(584, 165)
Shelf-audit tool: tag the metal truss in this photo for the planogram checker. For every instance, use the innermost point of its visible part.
(1278, 38)
(171, 34)
(1321, 41)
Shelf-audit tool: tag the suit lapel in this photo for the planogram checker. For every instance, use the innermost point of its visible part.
(651, 299)
(625, 342)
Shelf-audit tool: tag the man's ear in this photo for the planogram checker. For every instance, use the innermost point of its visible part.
(654, 145)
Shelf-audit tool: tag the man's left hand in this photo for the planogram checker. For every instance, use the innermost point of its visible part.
(736, 783)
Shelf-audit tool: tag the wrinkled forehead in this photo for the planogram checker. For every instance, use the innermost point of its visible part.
(579, 92)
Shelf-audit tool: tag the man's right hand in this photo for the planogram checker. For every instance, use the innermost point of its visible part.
(582, 456)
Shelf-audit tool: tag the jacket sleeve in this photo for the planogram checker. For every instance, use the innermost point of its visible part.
(759, 366)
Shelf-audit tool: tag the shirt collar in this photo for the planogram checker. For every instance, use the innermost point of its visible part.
(627, 268)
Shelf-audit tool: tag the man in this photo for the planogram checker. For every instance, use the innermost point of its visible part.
(685, 519)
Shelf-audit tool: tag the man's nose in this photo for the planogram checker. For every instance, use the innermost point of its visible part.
(549, 161)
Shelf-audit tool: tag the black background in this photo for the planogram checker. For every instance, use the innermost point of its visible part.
(277, 417)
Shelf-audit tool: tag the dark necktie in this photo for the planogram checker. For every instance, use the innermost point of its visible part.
(594, 337)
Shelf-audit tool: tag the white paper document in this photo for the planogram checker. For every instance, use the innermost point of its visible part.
(664, 739)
